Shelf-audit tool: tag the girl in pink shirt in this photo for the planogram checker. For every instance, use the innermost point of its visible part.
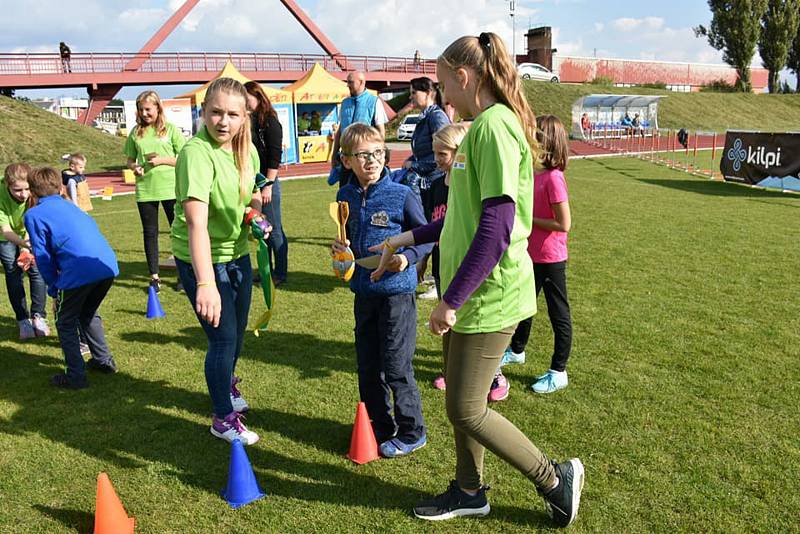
(547, 246)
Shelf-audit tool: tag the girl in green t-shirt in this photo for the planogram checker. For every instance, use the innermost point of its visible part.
(487, 277)
(152, 148)
(214, 183)
(14, 242)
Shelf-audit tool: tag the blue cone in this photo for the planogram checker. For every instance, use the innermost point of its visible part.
(154, 309)
(242, 485)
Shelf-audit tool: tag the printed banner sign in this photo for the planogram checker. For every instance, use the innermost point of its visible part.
(763, 159)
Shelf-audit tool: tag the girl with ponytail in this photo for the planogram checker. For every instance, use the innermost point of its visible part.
(487, 277)
(214, 183)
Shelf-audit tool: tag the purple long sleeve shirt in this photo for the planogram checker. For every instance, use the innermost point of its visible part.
(491, 240)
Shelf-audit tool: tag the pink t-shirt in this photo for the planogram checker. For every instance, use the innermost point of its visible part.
(544, 246)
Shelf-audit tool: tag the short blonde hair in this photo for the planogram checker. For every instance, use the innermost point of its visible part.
(44, 181)
(77, 156)
(17, 172)
(358, 133)
(449, 137)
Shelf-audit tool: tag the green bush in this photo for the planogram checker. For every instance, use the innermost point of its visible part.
(718, 86)
(655, 85)
(602, 80)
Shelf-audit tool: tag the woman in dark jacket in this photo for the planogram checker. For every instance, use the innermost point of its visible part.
(426, 97)
(268, 140)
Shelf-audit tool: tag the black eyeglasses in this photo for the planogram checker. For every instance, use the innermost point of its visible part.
(365, 157)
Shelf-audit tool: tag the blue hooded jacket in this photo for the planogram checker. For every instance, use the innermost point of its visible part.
(383, 210)
(70, 251)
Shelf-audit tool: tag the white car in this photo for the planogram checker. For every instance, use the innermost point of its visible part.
(406, 129)
(534, 71)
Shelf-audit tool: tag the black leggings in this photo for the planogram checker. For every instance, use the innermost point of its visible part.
(148, 213)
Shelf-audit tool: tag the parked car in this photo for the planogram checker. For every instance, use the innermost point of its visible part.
(534, 71)
(407, 126)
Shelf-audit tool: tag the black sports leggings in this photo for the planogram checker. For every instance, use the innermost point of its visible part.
(148, 213)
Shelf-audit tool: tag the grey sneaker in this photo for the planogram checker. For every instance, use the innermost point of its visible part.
(40, 326)
(562, 502)
(26, 329)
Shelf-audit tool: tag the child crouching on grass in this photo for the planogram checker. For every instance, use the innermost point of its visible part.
(78, 266)
(385, 311)
(14, 202)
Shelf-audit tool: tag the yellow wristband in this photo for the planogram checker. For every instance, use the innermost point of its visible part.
(389, 246)
(203, 284)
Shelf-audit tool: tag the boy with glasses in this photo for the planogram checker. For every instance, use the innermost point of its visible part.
(386, 310)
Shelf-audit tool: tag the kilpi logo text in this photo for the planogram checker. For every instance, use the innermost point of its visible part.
(758, 156)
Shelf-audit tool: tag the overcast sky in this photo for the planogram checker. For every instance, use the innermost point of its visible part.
(608, 28)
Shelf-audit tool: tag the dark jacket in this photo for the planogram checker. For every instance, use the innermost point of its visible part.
(382, 210)
(269, 143)
(431, 120)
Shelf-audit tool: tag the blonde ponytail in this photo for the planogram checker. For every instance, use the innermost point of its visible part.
(488, 57)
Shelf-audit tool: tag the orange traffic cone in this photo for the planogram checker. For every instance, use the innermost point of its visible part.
(110, 517)
(363, 447)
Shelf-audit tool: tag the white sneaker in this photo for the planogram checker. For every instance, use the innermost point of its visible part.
(40, 326)
(231, 428)
(550, 382)
(239, 404)
(430, 294)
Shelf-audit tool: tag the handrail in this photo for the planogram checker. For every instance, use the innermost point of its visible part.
(156, 62)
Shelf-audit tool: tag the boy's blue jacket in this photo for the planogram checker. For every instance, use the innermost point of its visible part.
(69, 248)
(385, 209)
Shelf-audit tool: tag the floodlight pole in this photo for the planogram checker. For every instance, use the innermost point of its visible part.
(513, 33)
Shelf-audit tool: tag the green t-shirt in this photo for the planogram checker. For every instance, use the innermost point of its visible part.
(157, 183)
(493, 160)
(208, 173)
(11, 212)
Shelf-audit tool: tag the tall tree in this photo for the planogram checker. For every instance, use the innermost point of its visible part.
(778, 31)
(793, 61)
(735, 28)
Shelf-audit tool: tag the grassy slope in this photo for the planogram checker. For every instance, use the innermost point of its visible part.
(683, 380)
(39, 137)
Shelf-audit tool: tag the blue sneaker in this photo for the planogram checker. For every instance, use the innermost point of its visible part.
(509, 356)
(550, 382)
(395, 448)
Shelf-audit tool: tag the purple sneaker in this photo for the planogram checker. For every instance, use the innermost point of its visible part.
(499, 390)
(239, 404)
(231, 428)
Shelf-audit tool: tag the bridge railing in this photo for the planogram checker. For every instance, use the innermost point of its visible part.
(35, 64)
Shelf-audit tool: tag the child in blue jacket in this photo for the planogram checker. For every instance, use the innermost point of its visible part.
(386, 310)
(78, 266)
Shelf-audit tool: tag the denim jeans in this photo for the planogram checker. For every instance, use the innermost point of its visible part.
(235, 283)
(15, 286)
(277, 243)
(148, 213)
(386, 336)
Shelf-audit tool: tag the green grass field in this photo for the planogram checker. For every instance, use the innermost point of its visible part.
(683, 381)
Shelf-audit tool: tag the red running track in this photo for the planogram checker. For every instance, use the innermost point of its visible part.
(98, 181)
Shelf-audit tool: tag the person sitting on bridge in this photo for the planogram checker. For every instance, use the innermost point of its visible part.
(361, 106)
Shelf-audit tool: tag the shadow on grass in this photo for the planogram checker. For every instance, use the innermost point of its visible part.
(711, 187)
(318, 241)
(311, 356)
(128, 422)
(303, 282)
(78, 520)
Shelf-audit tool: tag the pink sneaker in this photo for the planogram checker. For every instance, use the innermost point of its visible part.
(439, 383)
(499, 390)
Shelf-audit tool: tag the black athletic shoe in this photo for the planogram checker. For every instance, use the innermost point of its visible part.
(155, 283)
(179, 287)
(562, 501)
(63, 381)
(453, 503)
(109, 368)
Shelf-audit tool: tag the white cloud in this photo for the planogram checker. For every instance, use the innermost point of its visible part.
(139, 20)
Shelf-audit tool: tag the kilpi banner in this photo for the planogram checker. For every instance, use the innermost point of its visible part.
(762, 159)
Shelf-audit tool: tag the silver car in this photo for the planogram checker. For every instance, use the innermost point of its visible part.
(406, 129)
(534, 71)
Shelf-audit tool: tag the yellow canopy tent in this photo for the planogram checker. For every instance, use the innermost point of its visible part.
(318, 92)
(281, 100)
